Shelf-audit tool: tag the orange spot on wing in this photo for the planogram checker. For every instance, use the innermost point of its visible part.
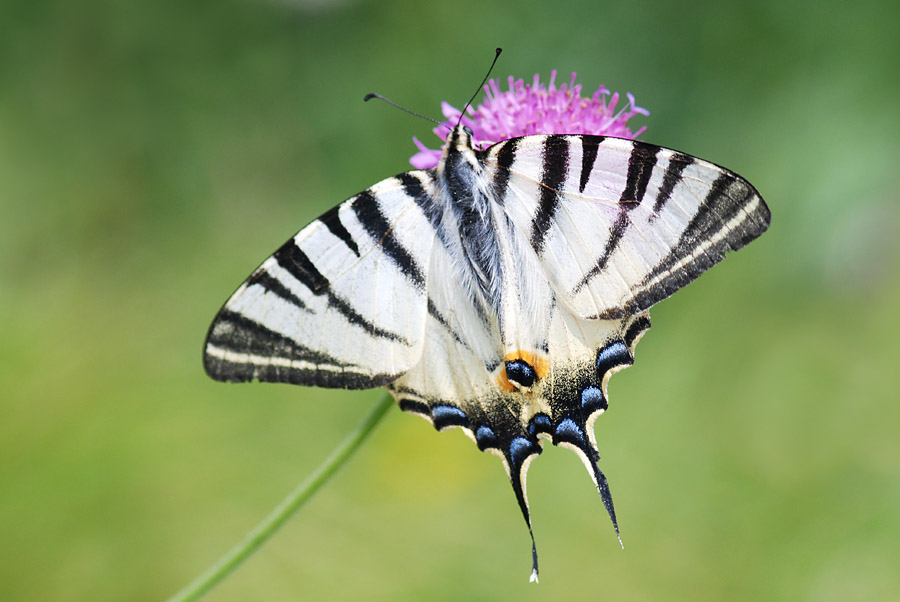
(540, 364)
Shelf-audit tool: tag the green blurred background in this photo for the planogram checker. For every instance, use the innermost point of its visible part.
(153, 153)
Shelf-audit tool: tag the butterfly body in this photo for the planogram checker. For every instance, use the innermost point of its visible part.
(496, 292)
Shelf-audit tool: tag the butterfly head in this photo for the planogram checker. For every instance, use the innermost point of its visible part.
(461, 139)
(460, 161)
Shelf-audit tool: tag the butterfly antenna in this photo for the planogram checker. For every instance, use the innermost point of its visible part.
(481, 85)
(370, 96)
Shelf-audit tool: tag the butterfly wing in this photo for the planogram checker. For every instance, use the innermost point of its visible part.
(616, 226)
(341, 304)
(620, 225)
(462, 381)
(588, 233)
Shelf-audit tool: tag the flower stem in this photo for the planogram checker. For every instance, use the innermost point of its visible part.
(264, 530)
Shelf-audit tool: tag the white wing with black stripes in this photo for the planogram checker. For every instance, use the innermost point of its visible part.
(341, 304)
(497, 292)
(620, 225)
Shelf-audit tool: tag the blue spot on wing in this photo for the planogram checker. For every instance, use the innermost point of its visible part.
(485, 438)
(445, 415)
(592, 399)
(519, 449)
(540, 423)
(614, 354)
(568, 431)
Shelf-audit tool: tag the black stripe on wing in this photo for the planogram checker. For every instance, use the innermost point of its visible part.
(674, 169)
(298, 264)
(270, 284)
(239, 349)
(641, 162)
(612, 243)
(635, 330)
(292, 258)
(368, 211)
(416, 185)
(640, 167)
(725, 201)
(505, 155)
(555, 166)
(731, 215)
(331, 219)
(413, 187)
(589, 146)
(435, 313)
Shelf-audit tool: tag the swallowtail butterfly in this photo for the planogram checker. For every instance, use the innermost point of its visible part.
(496, 292)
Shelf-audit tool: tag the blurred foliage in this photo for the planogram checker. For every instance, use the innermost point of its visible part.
(152, 153)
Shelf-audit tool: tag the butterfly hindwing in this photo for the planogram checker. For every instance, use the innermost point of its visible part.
(341, 304)
(510, 421)
(620, 225)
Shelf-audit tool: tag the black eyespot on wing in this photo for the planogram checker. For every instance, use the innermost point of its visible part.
(521, 372)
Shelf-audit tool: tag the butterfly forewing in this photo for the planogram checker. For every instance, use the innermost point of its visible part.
(341, 304)
(630, 222)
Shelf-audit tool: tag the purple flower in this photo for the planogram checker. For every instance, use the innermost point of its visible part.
(527, 109)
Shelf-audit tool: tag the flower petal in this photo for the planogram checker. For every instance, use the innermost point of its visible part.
(527, 109)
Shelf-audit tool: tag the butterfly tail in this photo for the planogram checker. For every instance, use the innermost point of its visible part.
(571, 435)
(605, 495)
(518, 457)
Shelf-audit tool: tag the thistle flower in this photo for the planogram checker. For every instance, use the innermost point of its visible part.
(527, 109)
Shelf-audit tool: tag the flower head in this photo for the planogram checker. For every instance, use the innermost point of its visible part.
(527, 109)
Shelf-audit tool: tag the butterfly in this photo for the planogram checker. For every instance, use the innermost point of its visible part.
(496, 292)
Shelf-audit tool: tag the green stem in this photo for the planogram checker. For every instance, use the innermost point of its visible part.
(264, 530)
